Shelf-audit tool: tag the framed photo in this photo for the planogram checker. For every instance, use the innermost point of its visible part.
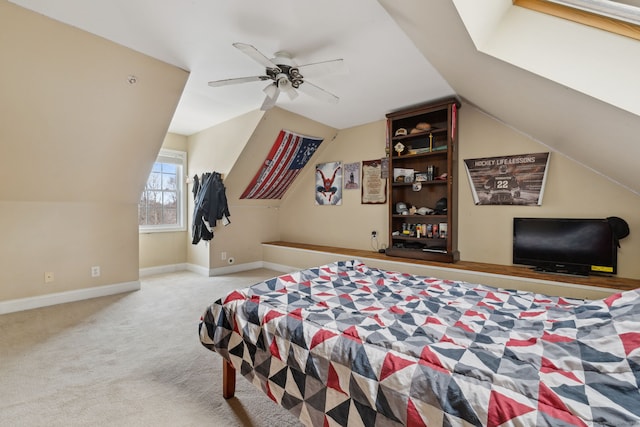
(421, 177)
(403, 175)
(352, 176)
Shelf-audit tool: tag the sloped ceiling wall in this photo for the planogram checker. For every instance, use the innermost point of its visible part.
(77, 142)
(72, 127)
(595, 133)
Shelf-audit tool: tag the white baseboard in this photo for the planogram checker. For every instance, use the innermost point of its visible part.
(219, 271)
(21, 304)
(279, 267)
(198, 269)
(235, 268)
(162, 269)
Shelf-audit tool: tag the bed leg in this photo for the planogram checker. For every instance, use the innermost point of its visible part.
(228, 379)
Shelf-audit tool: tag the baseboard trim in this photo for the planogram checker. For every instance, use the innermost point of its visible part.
(162, 269)
(21, 304)
(220, 271)
(279, 267)
(198, 269)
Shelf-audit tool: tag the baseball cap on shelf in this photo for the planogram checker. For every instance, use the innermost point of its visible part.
(441, 206)
(401, 208)
(619, 227)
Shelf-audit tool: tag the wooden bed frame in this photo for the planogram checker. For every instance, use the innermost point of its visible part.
(228, 379)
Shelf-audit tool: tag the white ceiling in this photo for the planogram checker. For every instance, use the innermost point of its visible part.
(385, 71)
(492, 53)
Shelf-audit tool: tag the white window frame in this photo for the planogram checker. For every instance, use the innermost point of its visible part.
(178, 158)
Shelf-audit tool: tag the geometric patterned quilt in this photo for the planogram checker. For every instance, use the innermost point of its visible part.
(349, 345)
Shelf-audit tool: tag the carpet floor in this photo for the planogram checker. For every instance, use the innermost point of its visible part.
(132, 359)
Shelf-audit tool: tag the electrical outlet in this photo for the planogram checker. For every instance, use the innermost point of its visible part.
(48, 277)
(374, 234)
(95, 271)
(223, 256)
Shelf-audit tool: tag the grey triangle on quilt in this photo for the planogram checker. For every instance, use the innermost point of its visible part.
(316, 397)
(391, 404)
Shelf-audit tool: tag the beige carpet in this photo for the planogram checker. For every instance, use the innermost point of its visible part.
(126, 360)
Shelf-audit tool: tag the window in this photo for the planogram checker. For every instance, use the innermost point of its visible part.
(162, 203)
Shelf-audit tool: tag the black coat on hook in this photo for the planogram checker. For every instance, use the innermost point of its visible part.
(210, 205)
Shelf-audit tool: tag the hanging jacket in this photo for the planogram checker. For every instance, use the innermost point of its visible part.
(210, 205)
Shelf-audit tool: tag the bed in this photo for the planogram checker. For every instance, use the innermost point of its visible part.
(348, 344)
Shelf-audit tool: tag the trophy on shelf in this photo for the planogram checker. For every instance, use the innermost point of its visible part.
(399, 147)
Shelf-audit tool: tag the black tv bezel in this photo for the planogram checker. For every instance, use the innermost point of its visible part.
(561, 267)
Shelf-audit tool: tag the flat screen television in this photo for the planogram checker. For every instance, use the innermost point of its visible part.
(565, 245)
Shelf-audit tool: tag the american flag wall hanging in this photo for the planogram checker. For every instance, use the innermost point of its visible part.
(289, 154)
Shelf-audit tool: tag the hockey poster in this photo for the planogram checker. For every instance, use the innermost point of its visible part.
(508, 180)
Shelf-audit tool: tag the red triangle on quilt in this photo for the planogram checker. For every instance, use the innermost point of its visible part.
(413, 415)
(552, 405)
(430, 359)
(321, 336)
(393, 364)
(503, 409)
(630, 341)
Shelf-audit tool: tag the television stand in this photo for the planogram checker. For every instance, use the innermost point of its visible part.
(571, 273)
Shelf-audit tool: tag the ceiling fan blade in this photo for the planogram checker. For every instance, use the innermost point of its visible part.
(226, 82)
(270, 101)
(255, 54)
(322, 68)
(313, 90)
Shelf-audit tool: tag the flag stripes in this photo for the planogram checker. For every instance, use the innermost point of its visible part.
(289, 154)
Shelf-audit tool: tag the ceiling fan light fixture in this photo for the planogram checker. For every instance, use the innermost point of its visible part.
(271, 90)
(285, 76)
(282, 81)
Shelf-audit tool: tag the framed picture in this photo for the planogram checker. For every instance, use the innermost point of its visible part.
(374, 186)
(403, 175)
(352, 176)
(329, 183)
(508, 180)
(421, 177)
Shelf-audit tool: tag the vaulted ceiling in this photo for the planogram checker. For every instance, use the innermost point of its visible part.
(568, 86)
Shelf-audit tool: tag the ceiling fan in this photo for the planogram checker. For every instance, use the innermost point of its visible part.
(286, 76)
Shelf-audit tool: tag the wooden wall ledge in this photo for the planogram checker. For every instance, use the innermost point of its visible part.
(612, 282)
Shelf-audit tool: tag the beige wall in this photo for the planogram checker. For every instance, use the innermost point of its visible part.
(485, 232)
(216, 149)
(348, 225)
(77, 142)
(243, 143)
(66, 239)
(571, 191)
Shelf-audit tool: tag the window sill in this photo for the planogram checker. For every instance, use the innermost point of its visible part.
(161, 230)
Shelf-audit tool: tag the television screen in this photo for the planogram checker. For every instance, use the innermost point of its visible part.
(565, 245)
